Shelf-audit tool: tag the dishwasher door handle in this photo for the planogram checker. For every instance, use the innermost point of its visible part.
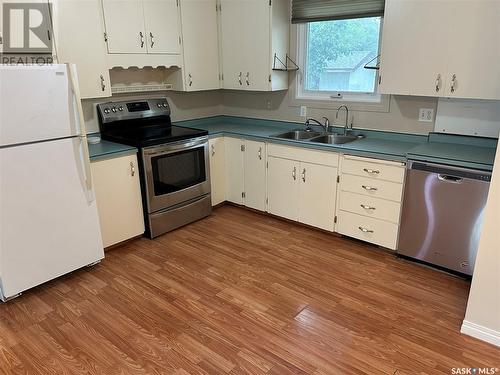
(450, 179)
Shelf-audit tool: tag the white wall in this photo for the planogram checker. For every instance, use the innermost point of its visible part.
(401, 117)
(482, 319)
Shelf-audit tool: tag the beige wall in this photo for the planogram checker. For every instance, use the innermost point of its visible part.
(184, 106)
(483, 307)
(401, 117)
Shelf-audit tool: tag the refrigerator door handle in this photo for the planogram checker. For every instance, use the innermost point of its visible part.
(84, 156)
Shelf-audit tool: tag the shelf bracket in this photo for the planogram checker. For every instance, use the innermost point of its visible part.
(284, 65)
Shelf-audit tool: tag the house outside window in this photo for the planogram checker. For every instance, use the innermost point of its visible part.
(333, 55)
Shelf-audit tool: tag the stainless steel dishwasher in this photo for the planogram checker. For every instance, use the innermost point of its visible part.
(442, 215)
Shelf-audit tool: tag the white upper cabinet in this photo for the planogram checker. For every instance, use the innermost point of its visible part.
(251, 32)
(142, 26)
(453, 50)
(125, 31)
(474, 71)
(79, 39)
(200, 45)
(162, 26)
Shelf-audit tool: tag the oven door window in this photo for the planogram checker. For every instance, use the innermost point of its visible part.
(178, 171)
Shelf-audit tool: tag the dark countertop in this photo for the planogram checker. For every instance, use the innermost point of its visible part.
(469, 152)
(105, 150)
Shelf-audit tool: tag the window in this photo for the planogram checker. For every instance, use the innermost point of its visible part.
(333, 54)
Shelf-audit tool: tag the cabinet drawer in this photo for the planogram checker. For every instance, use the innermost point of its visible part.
(380, 170)
(370, 206)
(376, 231)
(371, 187)
(303, 154)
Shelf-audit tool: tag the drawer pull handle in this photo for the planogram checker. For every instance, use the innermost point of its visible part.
(364, 230)
(371, 171)
(366, 207)
(294, 173)
(369, 188)
(213, 150)
(132, 169)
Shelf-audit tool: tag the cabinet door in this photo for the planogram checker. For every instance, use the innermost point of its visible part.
(317, 195)
(217, 170)
(162, 26)
(201, 55)
(118, 195)
(474, 50)
(124, 20)
(245, 40)
(283, 188)
(234, 169)
(414, 55)
(79, 31)
(255, 175)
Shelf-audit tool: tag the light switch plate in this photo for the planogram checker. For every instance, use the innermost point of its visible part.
(426, 114)
(303, 111)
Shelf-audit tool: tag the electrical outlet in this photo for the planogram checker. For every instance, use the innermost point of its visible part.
(426, 114)
(268, 104)
(303, 111)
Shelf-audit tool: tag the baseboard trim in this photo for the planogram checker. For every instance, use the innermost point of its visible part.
(482, 333)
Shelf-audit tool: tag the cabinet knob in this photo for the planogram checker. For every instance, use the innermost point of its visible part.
(103, 86)
(438, 82)
(141, 35)
(453, 87)
(152, 39)
(365, 230)
(371, 171)
(132, 169)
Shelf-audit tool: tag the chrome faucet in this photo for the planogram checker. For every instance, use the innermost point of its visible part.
(325, 125)
(346, 126)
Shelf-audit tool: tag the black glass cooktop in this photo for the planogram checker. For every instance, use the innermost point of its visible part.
(152, 135)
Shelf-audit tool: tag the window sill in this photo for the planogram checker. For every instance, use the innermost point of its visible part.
(381, 104)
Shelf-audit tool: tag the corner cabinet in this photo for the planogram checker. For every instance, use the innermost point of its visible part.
(217, 170)
(456, 54)
(302, 185)
(118, 195)
(79, 39)
(201, 55)
(252, 31)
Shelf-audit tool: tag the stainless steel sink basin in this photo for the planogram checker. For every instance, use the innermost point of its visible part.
(298, 135)
(334, 139)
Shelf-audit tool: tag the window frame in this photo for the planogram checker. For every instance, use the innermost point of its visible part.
(322, 99)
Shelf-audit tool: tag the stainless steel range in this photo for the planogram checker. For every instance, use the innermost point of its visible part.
(175, 174)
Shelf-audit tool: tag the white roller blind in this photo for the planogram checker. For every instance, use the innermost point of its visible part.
(325, 10)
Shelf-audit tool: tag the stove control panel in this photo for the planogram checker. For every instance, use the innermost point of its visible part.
(130, 110)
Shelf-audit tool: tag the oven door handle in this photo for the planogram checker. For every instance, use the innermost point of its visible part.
(174, 147)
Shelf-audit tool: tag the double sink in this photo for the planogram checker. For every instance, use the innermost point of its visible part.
(317, 137)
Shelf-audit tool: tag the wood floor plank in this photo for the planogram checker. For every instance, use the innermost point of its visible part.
(243, 293)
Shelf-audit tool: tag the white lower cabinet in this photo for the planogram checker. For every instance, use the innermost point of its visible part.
(300, 190)
(234, 169)
(217, 170)
(254, 160)
(244, 172)
(369, 201)
(282, 188)
(118, 195)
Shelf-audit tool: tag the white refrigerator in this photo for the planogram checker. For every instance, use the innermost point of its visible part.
(49, 224)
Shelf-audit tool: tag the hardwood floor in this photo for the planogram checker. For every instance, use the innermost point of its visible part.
(243, 293)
